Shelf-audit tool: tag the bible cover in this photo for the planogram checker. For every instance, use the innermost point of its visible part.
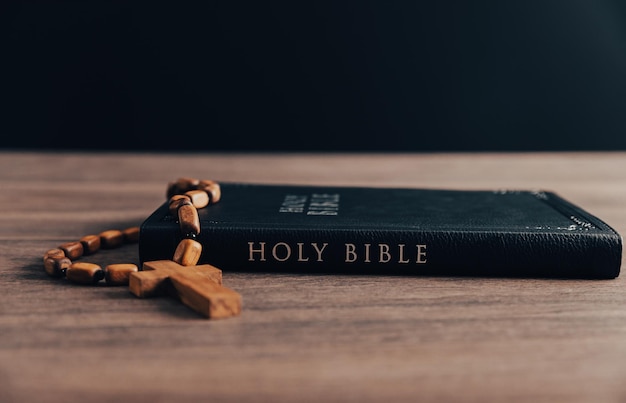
(394, 231)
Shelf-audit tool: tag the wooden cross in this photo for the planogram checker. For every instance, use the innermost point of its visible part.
(199, 287)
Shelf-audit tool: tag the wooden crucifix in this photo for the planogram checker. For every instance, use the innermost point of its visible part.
(199, 287)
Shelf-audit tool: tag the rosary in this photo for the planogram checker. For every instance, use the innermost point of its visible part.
(197, 286)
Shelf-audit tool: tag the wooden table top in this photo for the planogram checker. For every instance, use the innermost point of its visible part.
(300, 337)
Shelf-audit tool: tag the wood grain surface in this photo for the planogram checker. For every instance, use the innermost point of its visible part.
(300, 337)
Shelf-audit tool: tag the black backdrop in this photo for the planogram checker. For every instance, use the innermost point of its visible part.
(317, 75)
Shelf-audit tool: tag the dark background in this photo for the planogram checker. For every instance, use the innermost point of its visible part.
(317, 75)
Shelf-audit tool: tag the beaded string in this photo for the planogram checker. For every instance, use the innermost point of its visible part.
(186, 196)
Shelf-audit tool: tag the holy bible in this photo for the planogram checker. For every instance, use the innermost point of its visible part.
(394, 231)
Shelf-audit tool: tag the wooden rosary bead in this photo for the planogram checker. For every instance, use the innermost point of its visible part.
(181, 185)
(91, 244)
(187, 252)
(204, 183)
(131, 235)
(53, 253)
(216, 193)
(212, 188)
(55, 263)
(73, 250)
(84, 273)
(118, 274)
(199, 198)
(185, 183)
(111, 238)
(176, 202)
(56, 266)
(179, 197)
(188, 220)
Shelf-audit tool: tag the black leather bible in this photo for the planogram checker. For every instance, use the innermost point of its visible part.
(394, 231)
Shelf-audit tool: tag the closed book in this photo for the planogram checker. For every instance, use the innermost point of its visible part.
(362, 230)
